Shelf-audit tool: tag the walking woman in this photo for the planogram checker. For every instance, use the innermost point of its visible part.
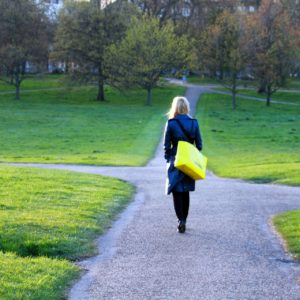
(180, 127)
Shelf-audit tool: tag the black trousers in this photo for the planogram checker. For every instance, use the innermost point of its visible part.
(181, 204)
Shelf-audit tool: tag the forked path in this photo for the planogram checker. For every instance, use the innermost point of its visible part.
(229, 250)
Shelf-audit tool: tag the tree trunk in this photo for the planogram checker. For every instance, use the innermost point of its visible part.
(233, 99)
(149, 97)
(100, 96)
(23, 68)
(268, 96)
(221, 76)
(233, 90)
(17, 85)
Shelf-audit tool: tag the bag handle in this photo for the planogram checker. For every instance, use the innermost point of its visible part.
(187, 134)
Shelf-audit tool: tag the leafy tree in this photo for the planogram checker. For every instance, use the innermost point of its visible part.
(84, 33)
(271, 47)
(221, 52)
(147, 50)
(24, 29)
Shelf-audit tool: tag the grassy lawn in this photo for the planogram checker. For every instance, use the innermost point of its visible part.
(27, 278)
(291, 84)
(70, 127)
(288, 225)
(214, 81)
(46, 215)
(202, 80)
(294, 83)
(283, 96)
(255, 143)
(35, 82)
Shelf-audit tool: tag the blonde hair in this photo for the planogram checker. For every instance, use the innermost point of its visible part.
(180, 105)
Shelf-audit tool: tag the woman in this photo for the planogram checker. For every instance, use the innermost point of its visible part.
(180, 127)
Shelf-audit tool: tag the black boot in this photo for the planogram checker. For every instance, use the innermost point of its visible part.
(181, 227)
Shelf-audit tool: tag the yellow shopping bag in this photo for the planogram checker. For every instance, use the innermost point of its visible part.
(190, 161)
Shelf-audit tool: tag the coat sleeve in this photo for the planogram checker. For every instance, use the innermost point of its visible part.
(198, 139)
(167, 142)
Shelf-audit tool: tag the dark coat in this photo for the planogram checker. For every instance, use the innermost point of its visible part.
(176, 180)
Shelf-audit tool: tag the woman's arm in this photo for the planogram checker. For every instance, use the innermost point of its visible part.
(198, 139)
(167, 142)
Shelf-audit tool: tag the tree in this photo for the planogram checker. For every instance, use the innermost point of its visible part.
(271, 47)
(187, 15)
(147, 50)
(84, 33)
(23, 39)
(221, 51)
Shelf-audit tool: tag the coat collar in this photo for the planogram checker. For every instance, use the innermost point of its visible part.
(182, 117)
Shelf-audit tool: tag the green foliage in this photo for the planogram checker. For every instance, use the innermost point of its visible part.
(84, 33)
(288, 225)
(27, 278)
(66, 126)
(257, 143)
(146, 51)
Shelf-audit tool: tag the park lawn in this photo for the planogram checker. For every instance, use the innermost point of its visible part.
(202, 80)
(294, 83)
(35, 82)
(28, 278)
(48, 217)
(56, 213)
(71, 127)
(255, 142)
(288, 225)
(283, 96)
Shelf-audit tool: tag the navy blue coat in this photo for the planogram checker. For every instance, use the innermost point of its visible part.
(176, 180)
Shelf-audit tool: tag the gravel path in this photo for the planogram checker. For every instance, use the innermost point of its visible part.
(228, 252)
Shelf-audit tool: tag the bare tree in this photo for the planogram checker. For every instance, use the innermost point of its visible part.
(271, 47)
(220, 50)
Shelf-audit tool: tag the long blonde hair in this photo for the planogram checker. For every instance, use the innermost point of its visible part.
(180, 105)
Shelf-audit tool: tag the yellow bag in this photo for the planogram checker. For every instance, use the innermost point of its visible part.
(190, 161)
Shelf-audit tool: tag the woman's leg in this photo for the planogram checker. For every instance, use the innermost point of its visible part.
(180, 209)
(185, 205)
(178, 205)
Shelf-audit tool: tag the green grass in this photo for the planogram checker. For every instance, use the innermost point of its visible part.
(294, 83)
(202, 80)
(255, 142)
(291, 83)
(70, 127)
(35, 82)
(56, 213)
(34, 278)
(282, 96)
(46, 215)
(288, 225)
